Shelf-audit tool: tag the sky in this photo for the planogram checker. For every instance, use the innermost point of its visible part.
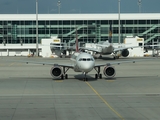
(77, 6)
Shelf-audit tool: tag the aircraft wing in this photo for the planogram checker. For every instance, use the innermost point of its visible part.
(44, 63)
(121, 62)
(123, 48)
(115, 63)
(90, 49)
(84, 48)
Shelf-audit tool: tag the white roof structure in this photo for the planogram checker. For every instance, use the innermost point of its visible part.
(123, 16)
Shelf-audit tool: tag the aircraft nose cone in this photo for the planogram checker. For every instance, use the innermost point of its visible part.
(87, 67)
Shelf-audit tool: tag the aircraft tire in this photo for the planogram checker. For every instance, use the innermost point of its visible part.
(100, 76)
(96, 76)
(66, 76)
(62, 77)
(85, 79)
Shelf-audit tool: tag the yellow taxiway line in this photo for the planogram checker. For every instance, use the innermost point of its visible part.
(109, 106)
(12, 64)
(58, 80)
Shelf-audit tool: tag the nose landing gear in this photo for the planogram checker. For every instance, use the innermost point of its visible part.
(85, 77)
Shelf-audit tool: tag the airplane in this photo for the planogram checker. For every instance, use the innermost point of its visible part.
(108, 48)
(82, 62)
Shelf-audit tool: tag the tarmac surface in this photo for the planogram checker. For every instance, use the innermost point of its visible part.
(28, 92)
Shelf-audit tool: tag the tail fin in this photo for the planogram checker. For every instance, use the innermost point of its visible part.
(110, 33)
(77, 49)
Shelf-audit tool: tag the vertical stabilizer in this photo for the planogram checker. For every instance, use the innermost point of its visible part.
(110, 32)
(77, 49)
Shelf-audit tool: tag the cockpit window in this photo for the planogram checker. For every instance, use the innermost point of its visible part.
(89, 59)
(80, 59)
(86, 59)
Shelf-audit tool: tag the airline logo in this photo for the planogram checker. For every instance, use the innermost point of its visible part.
(56, 41)
(139, 39)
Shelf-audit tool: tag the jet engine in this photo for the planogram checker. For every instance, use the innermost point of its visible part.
(109, 71)
(125, 53)
(56, 72)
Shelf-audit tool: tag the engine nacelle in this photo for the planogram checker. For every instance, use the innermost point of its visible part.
(56, 72)
(109, 71)
(125, 53)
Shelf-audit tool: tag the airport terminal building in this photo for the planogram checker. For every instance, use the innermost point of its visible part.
(16, 28)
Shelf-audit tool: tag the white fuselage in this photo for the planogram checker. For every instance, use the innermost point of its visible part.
(83, 62)
(106, 48)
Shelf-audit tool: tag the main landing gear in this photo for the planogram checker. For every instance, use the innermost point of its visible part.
(115, 57)
(64, 75)
(98, 75)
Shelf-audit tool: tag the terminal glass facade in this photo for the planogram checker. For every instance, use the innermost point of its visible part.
(13, 32)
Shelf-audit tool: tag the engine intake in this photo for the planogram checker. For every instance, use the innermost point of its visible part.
(109, 71)
(125, 53)
(56, 71)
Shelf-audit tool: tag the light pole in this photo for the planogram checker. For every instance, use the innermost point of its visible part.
(37, 28)
(119, 29)
(59, 5)
(139, 4)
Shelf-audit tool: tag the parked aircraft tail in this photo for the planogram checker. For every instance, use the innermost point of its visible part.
(110, 33)
(77, 49)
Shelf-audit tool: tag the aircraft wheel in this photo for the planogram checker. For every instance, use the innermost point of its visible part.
(117, 57)
(66, 76)
(85, 79)
(62, 77)
(100, 76)
(96, 76)
(100, 56)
